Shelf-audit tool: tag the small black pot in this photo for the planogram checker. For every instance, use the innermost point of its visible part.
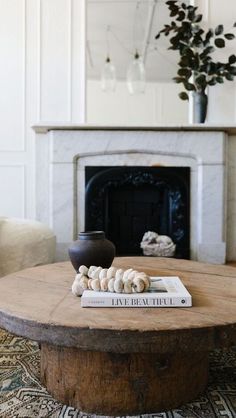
(91, 249)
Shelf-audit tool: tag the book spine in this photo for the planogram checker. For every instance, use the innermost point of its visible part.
(110, 302)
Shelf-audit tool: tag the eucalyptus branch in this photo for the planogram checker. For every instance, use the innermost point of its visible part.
(195, 46)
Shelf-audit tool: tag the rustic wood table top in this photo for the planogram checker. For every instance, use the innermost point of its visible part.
(37, 303)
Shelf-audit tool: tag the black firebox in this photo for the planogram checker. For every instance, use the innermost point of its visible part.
(128, 201)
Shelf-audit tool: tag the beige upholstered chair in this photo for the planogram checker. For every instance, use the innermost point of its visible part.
(24, 243)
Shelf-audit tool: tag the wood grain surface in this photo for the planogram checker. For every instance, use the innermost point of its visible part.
(37, 303)
(122, 384)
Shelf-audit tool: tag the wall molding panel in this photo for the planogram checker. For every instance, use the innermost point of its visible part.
(12, 75)
(12, 188)
(43, 78)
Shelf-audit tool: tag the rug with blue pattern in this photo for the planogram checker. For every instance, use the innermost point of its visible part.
(23, 396)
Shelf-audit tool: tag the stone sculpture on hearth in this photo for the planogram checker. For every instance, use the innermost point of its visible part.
(157, 245)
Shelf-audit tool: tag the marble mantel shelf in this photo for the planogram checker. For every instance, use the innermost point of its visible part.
(43, 128)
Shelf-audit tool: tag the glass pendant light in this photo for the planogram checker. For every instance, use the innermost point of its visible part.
(108, 76)
(136, 75)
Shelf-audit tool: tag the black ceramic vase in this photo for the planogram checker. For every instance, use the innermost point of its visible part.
(91, 249)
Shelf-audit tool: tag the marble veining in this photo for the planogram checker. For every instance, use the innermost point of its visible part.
(69, 151)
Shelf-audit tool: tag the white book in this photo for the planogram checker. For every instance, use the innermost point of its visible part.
(164, 292)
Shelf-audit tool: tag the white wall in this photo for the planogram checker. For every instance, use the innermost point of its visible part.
(41, 48)
(159, 104)
(222, 98)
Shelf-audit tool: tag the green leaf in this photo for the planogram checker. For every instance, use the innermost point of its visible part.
(183, 95)
(197, 18)
(220, 66)
(229, 77)
(184, 62)
(174, 12)
(220, 80)
(189, 86)
(179, 80)
(212, 82)
(232, 59)
(232, 70)
(229, 36)
(212, 68)
(209, 34)
(191, 16)
(185, 72)
(201, 80)
(219, 42)
(181, 16)
(206, 51)
(219, 30)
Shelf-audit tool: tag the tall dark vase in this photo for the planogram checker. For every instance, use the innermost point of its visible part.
(91, 249)
(200, 101)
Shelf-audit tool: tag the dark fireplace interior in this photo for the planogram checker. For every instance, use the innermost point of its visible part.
(128, 201)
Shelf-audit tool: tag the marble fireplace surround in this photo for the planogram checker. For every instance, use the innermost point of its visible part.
(62, 154)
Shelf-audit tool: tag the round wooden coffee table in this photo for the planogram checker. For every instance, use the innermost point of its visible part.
(115, 361)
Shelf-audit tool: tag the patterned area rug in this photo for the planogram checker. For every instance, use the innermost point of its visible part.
(22, 396)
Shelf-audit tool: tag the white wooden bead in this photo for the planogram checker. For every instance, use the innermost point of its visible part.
(138, 285)
(95, 285)
(83, 282)
(76, 289)
(126, 273)
(111, 272)
(103, 274)
(89, 284)
(104, 284)
(90, 270)
(95, 273)
(111, 284)
(118, 286)
(131, 275)
(83, 270)
(146, 281)
(119, 274)
(78, 276)
(128, 285)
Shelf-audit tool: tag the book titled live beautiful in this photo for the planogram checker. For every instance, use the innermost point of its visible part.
(164, 292)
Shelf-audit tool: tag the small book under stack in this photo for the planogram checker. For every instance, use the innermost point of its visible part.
(164, 292)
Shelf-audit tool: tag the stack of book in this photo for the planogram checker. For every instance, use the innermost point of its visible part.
(164, 292)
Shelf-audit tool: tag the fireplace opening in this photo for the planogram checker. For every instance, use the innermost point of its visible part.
(127, 201)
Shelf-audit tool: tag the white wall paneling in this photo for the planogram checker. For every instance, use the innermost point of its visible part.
(61, 60)
(42, 73)
(12, 190)
(78, 67)
(159, 104)
(12, 75)
(222, 98)
(204, 7)
(55, 60)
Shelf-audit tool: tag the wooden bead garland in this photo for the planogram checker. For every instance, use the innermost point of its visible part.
(109, 280)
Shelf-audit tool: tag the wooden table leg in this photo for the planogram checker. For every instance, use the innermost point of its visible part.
(122, 384)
